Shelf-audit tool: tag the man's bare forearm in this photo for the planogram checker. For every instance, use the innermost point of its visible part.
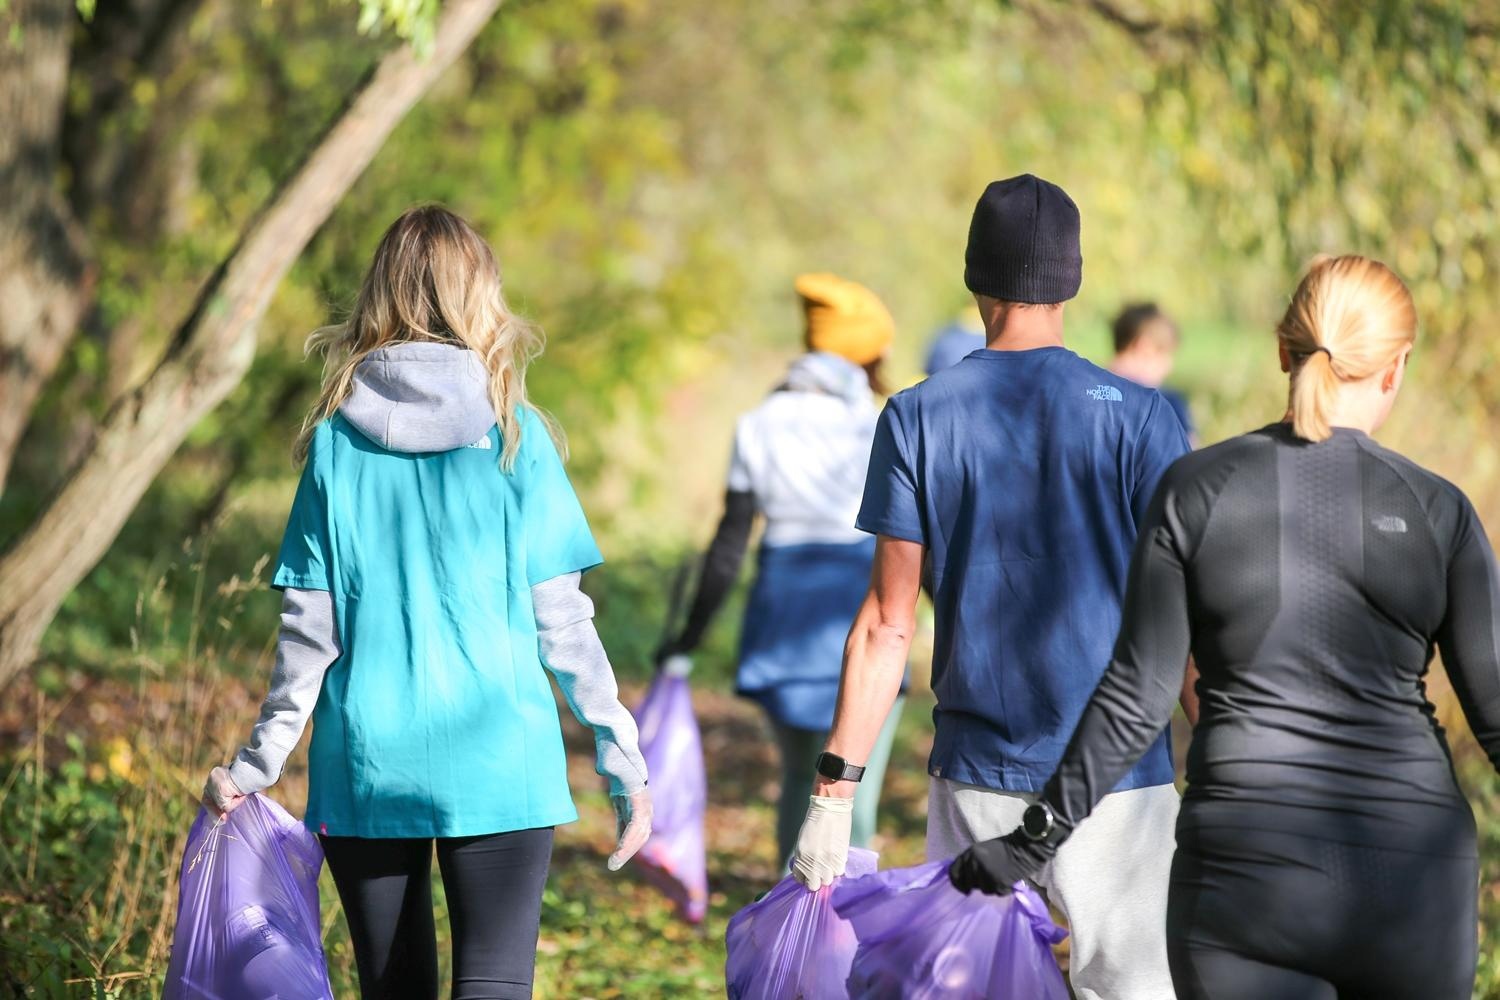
(875, 657)
(874, 664)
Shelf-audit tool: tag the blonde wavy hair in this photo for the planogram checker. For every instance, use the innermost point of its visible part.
(1350, 317)
(433, 279)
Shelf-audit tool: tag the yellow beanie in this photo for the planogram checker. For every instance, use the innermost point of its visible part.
(845, 318)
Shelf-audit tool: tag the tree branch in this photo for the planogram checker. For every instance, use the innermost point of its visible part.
(45, 272)
(1149, 32)
(124, 43)
(212, 349)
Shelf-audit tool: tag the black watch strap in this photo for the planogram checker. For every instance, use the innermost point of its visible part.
(835, 768)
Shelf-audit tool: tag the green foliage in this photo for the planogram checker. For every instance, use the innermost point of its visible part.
(410, 19)
(631, 597)
(87, 855)
(652, 177)
(1300, 128)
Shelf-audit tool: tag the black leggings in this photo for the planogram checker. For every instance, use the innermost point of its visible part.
(1254, 915)
(494, 889)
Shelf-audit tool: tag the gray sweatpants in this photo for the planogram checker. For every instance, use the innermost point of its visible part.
(1109, 879)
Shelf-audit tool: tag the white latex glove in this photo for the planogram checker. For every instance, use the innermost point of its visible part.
(633, 826)
(823, 843)
(677, 665)
(221, 795)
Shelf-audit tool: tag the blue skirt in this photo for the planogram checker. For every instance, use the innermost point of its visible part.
(803, 601)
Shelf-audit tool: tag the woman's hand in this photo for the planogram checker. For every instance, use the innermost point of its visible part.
(633, 826)
(994, 866)
(221, 796)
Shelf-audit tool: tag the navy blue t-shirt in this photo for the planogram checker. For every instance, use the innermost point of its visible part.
(1179, 405)
(1025, 473)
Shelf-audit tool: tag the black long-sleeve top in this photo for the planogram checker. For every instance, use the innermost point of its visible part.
(1311, 583)
(719, 569)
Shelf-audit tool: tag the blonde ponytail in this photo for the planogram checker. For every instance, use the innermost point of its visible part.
(1348, 320)
(1315, 383)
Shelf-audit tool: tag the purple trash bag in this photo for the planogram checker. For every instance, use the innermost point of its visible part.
(922, 939)
(247, 913)
(790, 943)
(674, 858)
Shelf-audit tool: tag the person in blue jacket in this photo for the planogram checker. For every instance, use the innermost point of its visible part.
(950, 345)
(430, 578)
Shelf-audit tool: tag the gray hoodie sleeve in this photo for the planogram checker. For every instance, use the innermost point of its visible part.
(307, 644)
(571, 650)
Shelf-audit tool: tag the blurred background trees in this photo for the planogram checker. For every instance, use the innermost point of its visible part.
(652, 174)
(652, 179)
(45, 253)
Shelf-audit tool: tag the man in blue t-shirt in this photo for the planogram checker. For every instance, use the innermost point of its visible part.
(1022, 473)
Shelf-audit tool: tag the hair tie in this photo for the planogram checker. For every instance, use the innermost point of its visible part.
(1325, 350)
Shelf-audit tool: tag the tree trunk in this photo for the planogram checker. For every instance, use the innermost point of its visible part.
(45, 277)
(109, 167)
(212, 349)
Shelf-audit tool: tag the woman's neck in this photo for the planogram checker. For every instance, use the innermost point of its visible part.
(1360, 406)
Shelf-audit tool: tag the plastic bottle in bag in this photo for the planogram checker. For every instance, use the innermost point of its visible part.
(247, 911)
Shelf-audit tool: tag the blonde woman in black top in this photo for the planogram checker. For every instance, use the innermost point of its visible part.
(1324, 848)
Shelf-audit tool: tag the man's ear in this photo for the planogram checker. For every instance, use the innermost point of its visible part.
(1286, 358)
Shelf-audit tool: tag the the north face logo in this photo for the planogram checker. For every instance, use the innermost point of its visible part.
(1389, 523)
(483, 442)
(1105, 394)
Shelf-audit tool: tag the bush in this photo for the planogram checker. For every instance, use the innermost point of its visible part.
(91, 849)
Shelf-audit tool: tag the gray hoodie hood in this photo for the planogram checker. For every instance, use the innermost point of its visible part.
(420, 397)
(820, 371)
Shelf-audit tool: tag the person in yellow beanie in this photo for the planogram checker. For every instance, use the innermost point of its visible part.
(845, 318)
(799, 460)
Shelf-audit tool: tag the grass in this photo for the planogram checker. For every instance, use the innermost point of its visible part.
(93, 833)
(93, 823)
(101, 767)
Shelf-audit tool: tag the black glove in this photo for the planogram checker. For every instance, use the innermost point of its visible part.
(993, 866)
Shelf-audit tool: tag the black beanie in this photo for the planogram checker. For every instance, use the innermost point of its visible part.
(1023, 243)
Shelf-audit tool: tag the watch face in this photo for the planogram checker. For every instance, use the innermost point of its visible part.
(1035, 821)
(831, 766)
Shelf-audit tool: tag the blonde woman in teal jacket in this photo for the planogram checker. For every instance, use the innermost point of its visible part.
(430, 573)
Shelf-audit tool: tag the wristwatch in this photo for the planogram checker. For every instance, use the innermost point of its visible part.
(835, 768)
(1038, 823)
